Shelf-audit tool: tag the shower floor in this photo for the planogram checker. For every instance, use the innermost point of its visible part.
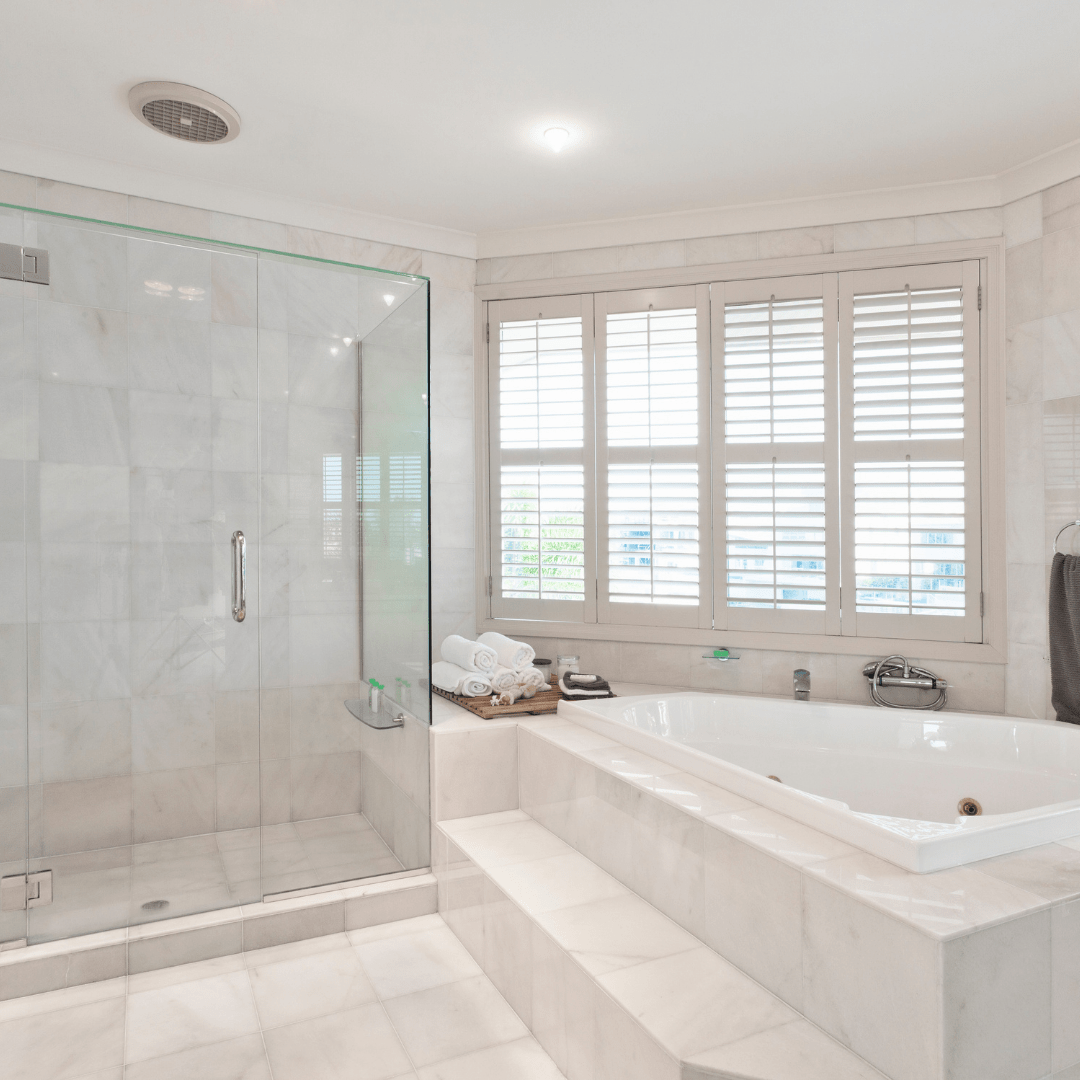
(401, 1000)
(108, 888)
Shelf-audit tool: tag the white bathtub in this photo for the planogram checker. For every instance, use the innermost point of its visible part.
(884, 780)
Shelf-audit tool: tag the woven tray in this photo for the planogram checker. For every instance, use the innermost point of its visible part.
(545, 701)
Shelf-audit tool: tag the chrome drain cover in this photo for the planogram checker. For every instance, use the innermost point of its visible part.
(969, 807)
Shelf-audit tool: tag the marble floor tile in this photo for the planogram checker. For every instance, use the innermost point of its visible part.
(523, 1059)
(448, 1021)
(607, 935)
(237, 1059)
(408, 964)
(64, 1043)
(195, 1013)
(556, 882)
(309, 986)
(795, 1051)
(358, 1044)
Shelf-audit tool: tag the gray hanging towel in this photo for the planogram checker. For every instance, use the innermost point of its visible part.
(1065, 637)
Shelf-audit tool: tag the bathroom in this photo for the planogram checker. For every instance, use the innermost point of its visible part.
(337, 340)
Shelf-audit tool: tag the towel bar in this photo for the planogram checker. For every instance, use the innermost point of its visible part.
(1067, 525)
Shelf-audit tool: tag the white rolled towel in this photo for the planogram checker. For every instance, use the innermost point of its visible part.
(470, 655)
(529, 680)
(511, 653)
(503, 680)
(456, 680)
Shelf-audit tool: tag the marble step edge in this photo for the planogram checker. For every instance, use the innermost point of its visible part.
(651, 1043)
(54, 965)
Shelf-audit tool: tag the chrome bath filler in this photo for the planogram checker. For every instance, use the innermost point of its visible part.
(896, 671)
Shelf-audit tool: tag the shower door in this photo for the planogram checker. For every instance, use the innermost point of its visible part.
(140, 468)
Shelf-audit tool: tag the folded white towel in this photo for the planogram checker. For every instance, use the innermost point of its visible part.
(470, 655)
(511, 653)
(530, 679)
(456, 680)
(503, 680)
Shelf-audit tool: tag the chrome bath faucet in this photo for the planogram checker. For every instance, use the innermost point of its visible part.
(801, 682)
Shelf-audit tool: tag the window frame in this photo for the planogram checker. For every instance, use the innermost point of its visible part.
(990, 450)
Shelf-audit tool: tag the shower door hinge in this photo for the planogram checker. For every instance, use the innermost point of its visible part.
(980, 298)
(24, 264)
(982, 605)
(487, 333)
(21, 891)
(489, 585)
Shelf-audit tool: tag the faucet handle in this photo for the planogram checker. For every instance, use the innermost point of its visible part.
(801, 684)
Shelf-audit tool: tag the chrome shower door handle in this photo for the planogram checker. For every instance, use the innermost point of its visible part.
(239, 576)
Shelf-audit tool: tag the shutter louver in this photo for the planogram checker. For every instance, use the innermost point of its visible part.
(780, 495)
(909, 364)
(652, 456)
(653, 540)
(540, 487)
(909, 537)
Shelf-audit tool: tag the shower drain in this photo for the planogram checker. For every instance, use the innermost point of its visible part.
(155, 905)
(969, 807)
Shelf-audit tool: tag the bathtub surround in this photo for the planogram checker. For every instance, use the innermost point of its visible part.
(968, 973)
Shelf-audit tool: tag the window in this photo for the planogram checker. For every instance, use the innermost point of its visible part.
(796, 455)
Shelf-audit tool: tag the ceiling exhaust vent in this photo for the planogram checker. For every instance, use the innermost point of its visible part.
(184, 112)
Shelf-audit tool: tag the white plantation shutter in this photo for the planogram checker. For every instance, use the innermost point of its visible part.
(652, 457)
(541, 403)
(910, 452)
(774, 434)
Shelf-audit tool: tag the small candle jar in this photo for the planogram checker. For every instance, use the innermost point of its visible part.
(567, 663)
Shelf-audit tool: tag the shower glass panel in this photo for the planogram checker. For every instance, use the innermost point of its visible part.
(159, 754)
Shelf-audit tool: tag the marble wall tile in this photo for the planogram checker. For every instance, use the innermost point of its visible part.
(168, 217)
(81, 201)
(250, 232)
(83, 661)
(996, 1002)
(236, 726)
(81, 815)
(1025, 268)
(170, 431)
(1059, 206)
(1061, 355)
(234, 297)
(783, 243)
(323, 649)
(82, 345)
(170, 355)
(476, 772)
(1024, 438)
(889, 232)
(1027, 603)
(87, 265)
(1060, 271)
(851, 982)
(448, 271)
(508, 950)
(168, 280)
(452, 388)
(452, 319)
(743, 676)
(588, 261)
(171, 505)
(85, 425)
(454, 523)
(741, 247)
(172, 803)
(234, 361)
(1022, 220)
(237, 795)
(17, 189)
(513, 268)
(320, 723)
(173, 732)
(349, 249)
(14, 655)
(1065, 984)
(959, 225)
(653, 256)
(322, 785)
(322, 371)
(82, 581)
(1027, 681)
(972, 687)
(321, 301)
(85, 739)
(1024, 363)
(19, 419)
(753, 913)
(665, 664)
(777, 673)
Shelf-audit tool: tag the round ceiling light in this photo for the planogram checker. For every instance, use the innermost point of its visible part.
(184, 112)
(556, 138)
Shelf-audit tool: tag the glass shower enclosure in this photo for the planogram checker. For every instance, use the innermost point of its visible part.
(213, 533)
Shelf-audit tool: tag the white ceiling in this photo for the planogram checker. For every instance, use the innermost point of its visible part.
(427, 111)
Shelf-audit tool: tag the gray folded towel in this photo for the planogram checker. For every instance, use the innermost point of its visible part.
(1065, 637)
(576, 685)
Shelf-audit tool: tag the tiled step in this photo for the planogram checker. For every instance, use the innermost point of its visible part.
(613, 989)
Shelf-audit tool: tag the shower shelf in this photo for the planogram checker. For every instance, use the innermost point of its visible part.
(380, 720)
